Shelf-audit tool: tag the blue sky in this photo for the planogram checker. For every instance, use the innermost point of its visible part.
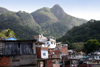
(86, 9)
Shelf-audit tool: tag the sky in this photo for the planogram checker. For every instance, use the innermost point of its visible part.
(84, 9)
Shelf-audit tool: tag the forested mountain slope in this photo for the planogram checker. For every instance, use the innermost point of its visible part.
(48, 21)
(82, 33)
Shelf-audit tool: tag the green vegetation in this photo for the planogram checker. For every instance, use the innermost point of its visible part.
(91, 45)
(55, 21)
(84, 32)
(3, 10)
(79, 46)
(7, 33)
(48, 21)
(15, 22)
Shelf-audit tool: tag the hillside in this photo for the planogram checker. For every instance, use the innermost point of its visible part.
(82, 33)
(3, 10)
(54, 21)
(23, 26)
(48, 21)
(65, 19)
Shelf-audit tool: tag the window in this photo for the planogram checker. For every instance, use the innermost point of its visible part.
(44, 54)
(54, 43)
(47, 42)
(51, 42)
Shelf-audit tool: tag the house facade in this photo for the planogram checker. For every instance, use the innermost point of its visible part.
(42, 52)
(50, 42)
(17, 52)
(58, 52)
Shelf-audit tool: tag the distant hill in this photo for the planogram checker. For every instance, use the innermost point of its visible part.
(48, 21)
(82, 33)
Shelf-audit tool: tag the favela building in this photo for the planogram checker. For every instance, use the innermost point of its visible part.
(15, 52)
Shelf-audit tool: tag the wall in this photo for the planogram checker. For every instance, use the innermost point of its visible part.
(56, 53)
(12, 48)
(51, 45)
(23, 60)
(4, 61)
(48, 63)
(38, 52)
(56, 65)
(97, 57)
(46, 53)
(85, 65)
(64, 50)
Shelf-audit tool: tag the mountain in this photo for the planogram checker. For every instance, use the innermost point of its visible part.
(21, 23)
(82, 33)
(3, 10)
(66, 19)
(54, 21)
(48, 21)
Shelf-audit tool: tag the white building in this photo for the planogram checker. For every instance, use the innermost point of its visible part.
(50, 42)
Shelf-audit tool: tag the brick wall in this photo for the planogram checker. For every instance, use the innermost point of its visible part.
(64, 50)
(48, 63)
(85, 65)
(44, 48)
(56, 65)
(38, 52)
(4, 61)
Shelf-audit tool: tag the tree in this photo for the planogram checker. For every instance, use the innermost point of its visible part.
(91, 45)
(79, 46)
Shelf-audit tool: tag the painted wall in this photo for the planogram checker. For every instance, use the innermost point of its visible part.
(44, 53)
(97, 57)
(50, 44)
(23, 60)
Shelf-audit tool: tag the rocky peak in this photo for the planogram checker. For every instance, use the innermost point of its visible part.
(58, 11)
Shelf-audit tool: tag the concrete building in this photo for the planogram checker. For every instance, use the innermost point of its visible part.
(58, 52)
(49, 42)
(42, 52)
(17, 52)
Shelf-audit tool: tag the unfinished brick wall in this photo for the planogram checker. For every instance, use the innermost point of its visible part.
(48, 63)
(56, 65)
(64, 50)
(38, 52)
(4, 61)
